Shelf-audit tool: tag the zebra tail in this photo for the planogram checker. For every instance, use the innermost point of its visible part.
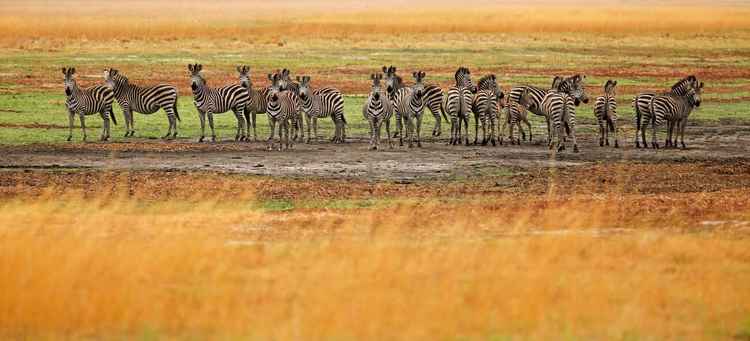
(610, 125)
(442, 111)
(653, 115)
(343, 118)
(112, 115)
(176, 114)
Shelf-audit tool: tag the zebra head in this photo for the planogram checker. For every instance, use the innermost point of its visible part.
(304, 87)
(489, 82)
(244, 72)
(681, 87)
(418, 87)
(609, 87)
(694, 94)
(526, 101)
(275, 88)
(463, 79)
(575, 87)
(392, 81)
(197, 81)
(284, 79)
(376, 87)
(113, 78)
(70, 82)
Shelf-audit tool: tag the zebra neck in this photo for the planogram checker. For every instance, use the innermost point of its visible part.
(123, 88)
(201, 94)
(416, 103)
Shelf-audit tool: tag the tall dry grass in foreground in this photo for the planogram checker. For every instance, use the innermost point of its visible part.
(554, 267)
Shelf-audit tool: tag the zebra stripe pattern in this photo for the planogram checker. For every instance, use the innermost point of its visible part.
(486, 108)
(642, 103)
(605, 111)
(536, 95)
(457, 105)
(89, 101)
(433, 99)
(675, 109)
(282, 107)
(145, 100)
(516, 114)
(257, 102)
(409, 103)
(210, 101)
(376, 110)
(322, 103)
(560, 108)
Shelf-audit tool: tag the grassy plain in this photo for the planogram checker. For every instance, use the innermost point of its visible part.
(611, 250)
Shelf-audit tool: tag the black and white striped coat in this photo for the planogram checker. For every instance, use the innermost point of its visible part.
(282, 109)
(408, 103)
(257, 102)
(321, 103)
(486, 108)
(458, 104)
(642, 103)
(210, 101)
(145, 100)
(433, 98)
(378, 109)
(560, 108)
(675, 109)
(605, 111)
(516, 113)
(89, 101)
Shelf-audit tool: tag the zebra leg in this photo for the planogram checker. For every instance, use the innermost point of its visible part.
(388, 133)
(614, 130)
(308, 123)
(502, 130)
(272, 127)
(253, 115)
(643, 133)
(202, 117)
(601, 132)
(82, 117)
(419, 131)
(510, 134)
(126, 113)
(240, 134)
(210, 115)
(670, 129)
(682, 133)
(654, 144)
(436, 129)
(493, 128)
(466, 129)
(529, 126)
(573, 137)
(399, 126)
(105, 126)
(71, 122)
(172, 122)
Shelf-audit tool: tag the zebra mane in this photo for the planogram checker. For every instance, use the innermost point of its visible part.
(487, 82)
(683, 82)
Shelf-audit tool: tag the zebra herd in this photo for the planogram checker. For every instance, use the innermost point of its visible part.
(289, 104)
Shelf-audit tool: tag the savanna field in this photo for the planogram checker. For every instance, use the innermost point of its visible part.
(144, 238)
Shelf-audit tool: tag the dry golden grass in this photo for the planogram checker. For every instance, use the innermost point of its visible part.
(256, 20)
(557, 267)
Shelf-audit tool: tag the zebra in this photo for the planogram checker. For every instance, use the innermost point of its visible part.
(89, 101)
(641, 105)
(674, 108)
(486, 108)
(145, 100)
(286, 83)
(322, 103)
(457, 104)
(516, 114)
(408, 103)
(376, 110)
(433, 98)
(282, 107)
(573, 85)
(210, 101)
(559, 106)
(605, 111)
(257, 103)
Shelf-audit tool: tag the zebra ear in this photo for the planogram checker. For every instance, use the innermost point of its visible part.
(190, 67)
(65, 71)
(200, 67)
(422, 74)
(385, 70)
(270, 76)
(72, 70)
(285, 72)
(700, 86)
(239, 69)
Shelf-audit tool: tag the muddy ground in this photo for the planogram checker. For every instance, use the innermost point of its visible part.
(353, 160)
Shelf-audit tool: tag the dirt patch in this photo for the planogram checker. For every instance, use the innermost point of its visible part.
(33, 126)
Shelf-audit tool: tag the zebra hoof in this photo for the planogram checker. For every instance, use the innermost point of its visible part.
(201, 139)
(561, 148)
(575, 148)
(70, 137)
(601, 143)
(419, 144)
(616, 145)
(213, 138)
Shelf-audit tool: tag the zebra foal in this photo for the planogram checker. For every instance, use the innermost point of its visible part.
(605, 111)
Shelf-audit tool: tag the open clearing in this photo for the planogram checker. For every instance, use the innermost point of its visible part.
(141, 238)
